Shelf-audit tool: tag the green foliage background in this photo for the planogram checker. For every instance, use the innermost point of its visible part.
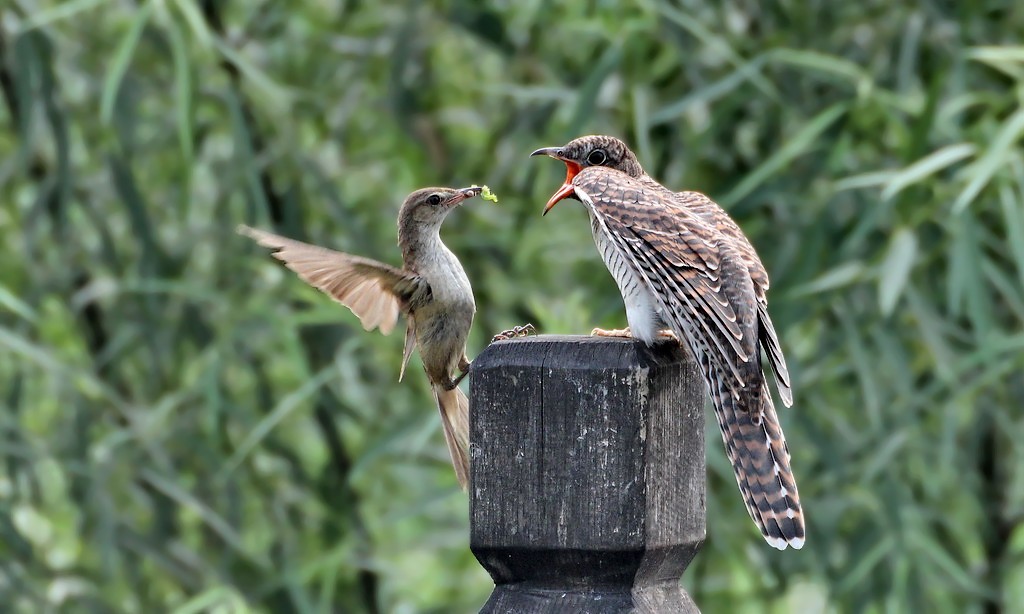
(186, 427)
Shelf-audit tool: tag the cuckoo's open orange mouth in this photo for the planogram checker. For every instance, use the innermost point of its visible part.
(571, 170)
(568, 189)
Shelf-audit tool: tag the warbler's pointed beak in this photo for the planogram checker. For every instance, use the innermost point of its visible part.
(571, 170)
(462, 194)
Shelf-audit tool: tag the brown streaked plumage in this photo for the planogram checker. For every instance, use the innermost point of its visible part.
(431, 290)
(685, 270)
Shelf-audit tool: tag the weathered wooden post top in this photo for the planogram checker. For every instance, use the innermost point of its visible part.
(587, 474)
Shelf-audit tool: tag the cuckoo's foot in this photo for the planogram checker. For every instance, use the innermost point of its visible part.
(613, 332)
(667, 335)
(515, 332)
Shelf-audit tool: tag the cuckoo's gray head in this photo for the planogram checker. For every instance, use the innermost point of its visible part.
(592, 150)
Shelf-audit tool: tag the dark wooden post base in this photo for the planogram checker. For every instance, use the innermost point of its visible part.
(587, 474)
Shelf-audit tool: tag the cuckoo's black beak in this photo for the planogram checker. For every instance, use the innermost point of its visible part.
(553, 152)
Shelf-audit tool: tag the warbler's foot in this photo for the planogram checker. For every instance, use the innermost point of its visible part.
(455, 380)
(612, 332)
(515, 332)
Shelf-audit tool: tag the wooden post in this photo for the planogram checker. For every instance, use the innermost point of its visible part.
(587, 474)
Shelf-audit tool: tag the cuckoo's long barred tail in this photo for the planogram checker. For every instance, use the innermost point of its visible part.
(759, 455)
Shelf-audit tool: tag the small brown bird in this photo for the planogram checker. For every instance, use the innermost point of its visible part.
(431, 290)
(686, 271)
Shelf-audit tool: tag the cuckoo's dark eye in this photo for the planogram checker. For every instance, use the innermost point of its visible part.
(597, 157)
(434, 200)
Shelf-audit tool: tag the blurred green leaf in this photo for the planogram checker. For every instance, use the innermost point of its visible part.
(11, 302)
(182, 89)
(709, 93)
(212, 600)
(272, 94)
(279, 413)
(995, 157)
(865, 180)
(1013, 214)
(1008, 59)
(799, 144)
(821, 62)
(926, 166)
(121, 60)
(939, 556)
(842, 275)
(62, 10)
(864, 564)
(190, 11)
(896, 267)
(211, 519)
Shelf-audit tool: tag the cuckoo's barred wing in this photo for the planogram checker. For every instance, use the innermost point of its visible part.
(374, 291)
(770, 343)
(703, 289)
(716, 217)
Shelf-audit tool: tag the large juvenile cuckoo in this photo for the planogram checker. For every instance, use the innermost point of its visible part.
(686, 271)
(431, 290)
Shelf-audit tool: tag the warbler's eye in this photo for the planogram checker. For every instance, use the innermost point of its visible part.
(597, 157)
(434, 200)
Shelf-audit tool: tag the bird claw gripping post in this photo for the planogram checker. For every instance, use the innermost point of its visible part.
(515, 332)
